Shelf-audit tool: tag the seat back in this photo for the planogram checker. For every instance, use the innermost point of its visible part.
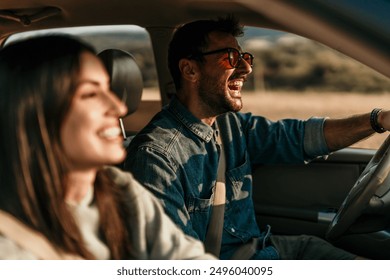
(125, 75)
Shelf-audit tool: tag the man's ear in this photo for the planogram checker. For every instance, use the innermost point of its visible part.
(189, 69)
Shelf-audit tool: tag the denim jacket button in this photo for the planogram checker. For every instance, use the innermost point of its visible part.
(232, 230)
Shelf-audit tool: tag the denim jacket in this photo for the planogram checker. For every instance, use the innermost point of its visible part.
(176, 157)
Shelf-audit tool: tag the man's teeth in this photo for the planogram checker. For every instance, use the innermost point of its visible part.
(235, 86)
(111, 132)
(236, 83)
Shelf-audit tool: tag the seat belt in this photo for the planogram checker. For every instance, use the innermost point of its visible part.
(30, 240)
(213, 238)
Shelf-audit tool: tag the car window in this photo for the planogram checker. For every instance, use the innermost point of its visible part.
(294, 77)
(130, 38)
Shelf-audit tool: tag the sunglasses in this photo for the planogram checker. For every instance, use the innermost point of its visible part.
(234, 55)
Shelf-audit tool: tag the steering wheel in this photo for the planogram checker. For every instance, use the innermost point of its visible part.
(358, 198)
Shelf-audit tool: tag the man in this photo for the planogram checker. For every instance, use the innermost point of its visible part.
(176, 155)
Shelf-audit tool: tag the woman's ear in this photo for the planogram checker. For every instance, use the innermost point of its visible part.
(189, 69)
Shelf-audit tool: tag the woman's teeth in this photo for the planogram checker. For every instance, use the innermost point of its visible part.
(110, 133)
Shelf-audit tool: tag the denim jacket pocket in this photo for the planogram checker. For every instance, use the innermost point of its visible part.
(239, 214)
(199, 211)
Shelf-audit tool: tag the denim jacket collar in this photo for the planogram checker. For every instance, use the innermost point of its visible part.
(195, 125)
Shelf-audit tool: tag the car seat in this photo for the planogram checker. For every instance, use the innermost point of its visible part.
(126, 80)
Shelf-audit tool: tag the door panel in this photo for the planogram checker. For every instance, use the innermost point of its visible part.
(303, 198)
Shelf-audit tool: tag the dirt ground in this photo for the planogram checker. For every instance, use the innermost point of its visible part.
(277, 105)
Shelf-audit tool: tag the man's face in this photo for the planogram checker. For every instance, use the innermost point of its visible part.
(219, 84)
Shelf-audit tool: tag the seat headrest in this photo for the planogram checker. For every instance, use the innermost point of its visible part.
(125, 75)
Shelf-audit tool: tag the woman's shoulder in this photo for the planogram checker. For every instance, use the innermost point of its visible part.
(139, 197)
(125, 181)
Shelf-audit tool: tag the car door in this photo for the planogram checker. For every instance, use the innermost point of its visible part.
(303, 199)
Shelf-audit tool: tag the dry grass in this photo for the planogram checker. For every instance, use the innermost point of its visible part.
(277, 105)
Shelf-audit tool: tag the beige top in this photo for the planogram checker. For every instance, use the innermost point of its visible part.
(86, 216)
(154, 235)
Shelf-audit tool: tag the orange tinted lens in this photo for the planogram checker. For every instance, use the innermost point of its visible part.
(226, 61)
(234, 58)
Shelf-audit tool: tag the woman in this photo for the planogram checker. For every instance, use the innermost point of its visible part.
(59, 129)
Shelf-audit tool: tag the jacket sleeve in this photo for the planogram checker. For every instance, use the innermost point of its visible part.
(9, 250)
(283, 141)
(154, 235)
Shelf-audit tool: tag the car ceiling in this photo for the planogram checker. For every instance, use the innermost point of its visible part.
(166, 12)
(332, 22)
(146, 13)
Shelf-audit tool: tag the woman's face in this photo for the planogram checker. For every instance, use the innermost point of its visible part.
(90, 134)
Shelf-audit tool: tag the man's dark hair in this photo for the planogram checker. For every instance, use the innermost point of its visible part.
(192, 38)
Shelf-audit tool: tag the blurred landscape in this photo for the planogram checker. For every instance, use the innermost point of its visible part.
(294, 77)
(291, 63)
(283, 61)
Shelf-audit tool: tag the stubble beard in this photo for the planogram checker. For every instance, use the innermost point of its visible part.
(215, 100)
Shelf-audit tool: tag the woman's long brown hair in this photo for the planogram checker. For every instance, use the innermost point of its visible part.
(37, 81)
